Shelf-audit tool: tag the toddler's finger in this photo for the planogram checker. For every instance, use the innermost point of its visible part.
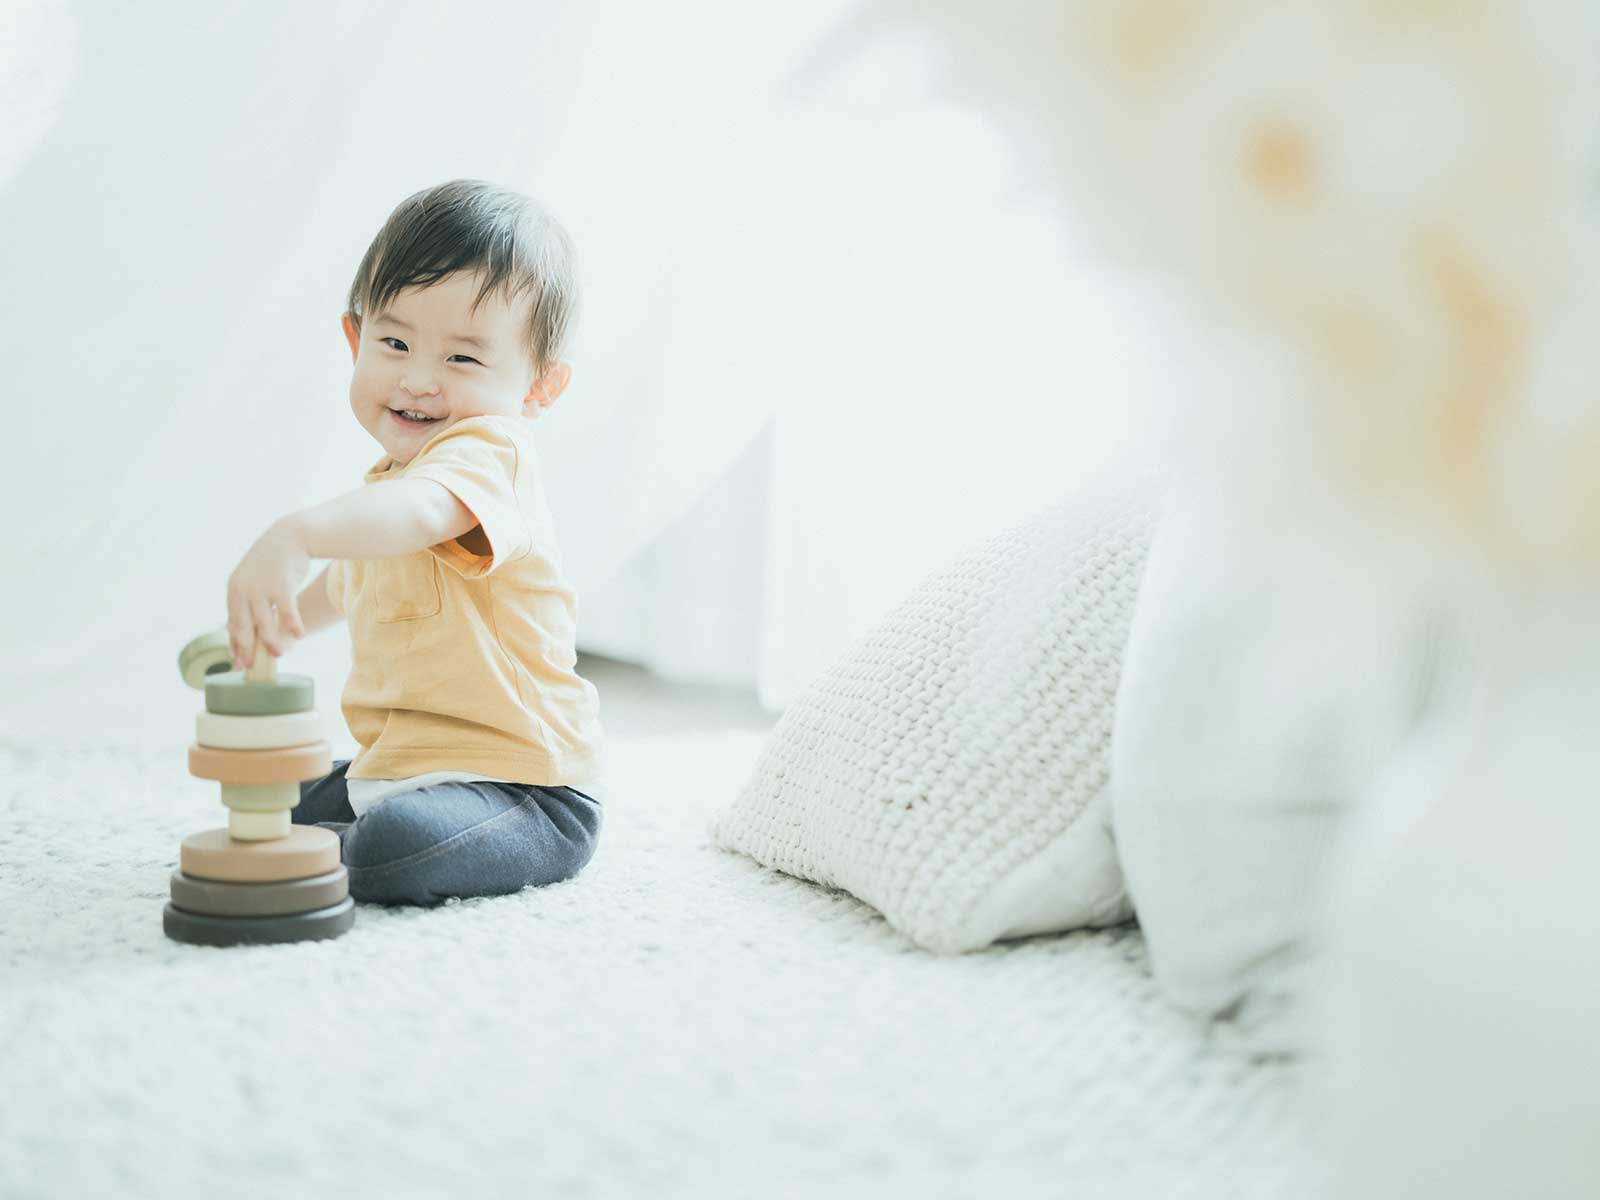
(266, 626)
(238, 641)
(243, 643)
(289, 617)
(238, 623)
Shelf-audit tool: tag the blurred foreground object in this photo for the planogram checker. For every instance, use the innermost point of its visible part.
(1463, 973)
(1380, 218)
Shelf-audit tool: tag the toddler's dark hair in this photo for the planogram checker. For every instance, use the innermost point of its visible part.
(470, 225)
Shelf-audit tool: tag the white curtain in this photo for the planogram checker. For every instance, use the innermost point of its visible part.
(936, 356)
(828, 338)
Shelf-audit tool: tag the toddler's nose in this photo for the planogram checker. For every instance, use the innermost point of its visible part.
(419, 383)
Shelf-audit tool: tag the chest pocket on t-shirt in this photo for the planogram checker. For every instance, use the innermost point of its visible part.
(406, 589)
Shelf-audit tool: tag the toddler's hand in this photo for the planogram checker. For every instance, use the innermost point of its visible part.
(266, 578)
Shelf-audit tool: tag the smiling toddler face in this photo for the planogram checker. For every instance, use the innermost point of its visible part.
(430, 359)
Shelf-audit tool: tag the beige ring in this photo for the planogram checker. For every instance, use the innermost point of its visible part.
(227, 732)
(308, 850)
(287, 764)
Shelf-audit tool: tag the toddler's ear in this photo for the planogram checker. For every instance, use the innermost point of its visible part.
(546, 390)
(351, 335)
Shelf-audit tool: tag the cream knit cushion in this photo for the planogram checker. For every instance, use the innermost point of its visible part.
(950, 771)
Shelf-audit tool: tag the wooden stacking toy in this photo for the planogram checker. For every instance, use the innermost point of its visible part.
(263, 878)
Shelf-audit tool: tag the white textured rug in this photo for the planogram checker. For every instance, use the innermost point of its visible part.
(675, 1022)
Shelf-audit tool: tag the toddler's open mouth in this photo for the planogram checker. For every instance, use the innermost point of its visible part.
(412, 417)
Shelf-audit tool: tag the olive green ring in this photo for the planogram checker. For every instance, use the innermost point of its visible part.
(237, 696)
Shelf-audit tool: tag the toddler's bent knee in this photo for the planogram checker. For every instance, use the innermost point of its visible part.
(399, 854)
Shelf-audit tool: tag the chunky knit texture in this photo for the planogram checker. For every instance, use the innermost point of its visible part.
(950, 769)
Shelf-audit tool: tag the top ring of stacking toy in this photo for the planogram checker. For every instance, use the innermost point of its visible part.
(206, 655)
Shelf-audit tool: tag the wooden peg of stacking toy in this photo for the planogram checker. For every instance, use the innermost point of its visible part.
(262, 878)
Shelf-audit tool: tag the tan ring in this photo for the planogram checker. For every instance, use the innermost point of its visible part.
(212, 854)
(286, 764)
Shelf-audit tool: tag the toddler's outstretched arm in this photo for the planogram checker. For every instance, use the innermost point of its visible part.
(385, 520)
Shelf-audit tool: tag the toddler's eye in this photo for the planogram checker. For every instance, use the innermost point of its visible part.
(466, 358)
(398, 344)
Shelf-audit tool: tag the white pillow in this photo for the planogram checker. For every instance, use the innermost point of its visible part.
(950, 771)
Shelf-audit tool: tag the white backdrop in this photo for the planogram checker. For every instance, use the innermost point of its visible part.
(828, 336)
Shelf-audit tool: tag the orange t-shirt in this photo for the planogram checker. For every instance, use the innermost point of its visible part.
(462, 655)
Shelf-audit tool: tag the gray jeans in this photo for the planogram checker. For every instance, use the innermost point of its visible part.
(454, 839)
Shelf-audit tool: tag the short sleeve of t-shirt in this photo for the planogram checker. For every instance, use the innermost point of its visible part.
(478, 464)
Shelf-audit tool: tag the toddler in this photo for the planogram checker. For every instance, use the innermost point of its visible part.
(479, 743)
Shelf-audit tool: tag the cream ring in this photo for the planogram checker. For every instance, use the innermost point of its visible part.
(260, 797)
(258, 826)
(228, 732)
